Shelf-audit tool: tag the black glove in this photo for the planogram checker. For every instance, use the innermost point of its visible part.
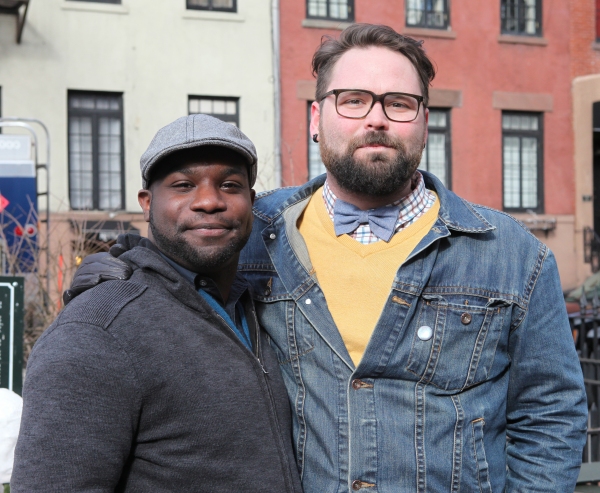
(95, 269)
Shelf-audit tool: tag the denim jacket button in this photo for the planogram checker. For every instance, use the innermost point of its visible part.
(272, 236)
(425, 333)
(356, 384)
(356, 484)
(466, 318)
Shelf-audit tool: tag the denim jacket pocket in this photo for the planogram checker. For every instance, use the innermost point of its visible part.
(455, 339)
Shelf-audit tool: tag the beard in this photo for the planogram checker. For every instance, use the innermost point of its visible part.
(199, 259)
(377, 174)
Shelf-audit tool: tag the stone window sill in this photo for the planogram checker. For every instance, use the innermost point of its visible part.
(325, 24)
(429, 33)
(522, 40)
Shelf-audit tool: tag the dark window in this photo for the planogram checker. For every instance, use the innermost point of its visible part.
(97, 1)
(337, 10)
(219, 5)
(315, 165)
(522, 144)
(436, 155)
(521, 17)
(427, 13)
(225, 109)
(96, 165)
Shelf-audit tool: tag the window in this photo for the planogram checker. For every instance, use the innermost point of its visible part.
(522, 161)
(96, 176)
(427, 13)
(315, 165)
(436, 155)
(521, 17)
(225, 109)
(219, 5)
(337, 10)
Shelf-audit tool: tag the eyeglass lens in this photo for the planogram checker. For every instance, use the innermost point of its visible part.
(357, 104)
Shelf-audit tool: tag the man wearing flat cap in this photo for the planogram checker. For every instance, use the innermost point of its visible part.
(165, 382)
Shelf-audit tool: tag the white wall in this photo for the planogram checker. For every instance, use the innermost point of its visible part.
(156, 53)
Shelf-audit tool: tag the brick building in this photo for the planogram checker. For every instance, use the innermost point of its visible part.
(501, 110)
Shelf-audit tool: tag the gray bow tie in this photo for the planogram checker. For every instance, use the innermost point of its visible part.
(382, 220)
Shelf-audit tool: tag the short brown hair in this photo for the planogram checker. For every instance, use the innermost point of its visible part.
(363, 36)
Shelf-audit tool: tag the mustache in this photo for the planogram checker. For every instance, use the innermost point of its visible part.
(202, 219)
(376, 138)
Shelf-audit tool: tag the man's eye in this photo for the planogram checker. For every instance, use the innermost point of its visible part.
(231, 184)
(352, 102)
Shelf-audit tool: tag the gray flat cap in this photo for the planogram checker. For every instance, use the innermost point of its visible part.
(196, 131)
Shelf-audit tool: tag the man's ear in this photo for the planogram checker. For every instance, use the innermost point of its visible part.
(315, 118)
(252, 195)
(145, 200)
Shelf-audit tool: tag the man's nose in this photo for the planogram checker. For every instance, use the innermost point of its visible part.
(376, 118)
(208, 199)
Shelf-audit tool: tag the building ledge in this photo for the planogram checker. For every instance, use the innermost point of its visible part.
(419, 32)
(522, 40)
(325, 24)
(596, 45)
(105, 8)
(207, 15)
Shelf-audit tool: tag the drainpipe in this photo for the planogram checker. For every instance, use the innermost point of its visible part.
(276, 90)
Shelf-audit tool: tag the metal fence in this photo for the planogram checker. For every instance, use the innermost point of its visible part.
(586, 328)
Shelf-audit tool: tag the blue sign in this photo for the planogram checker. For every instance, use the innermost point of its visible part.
(18, 203)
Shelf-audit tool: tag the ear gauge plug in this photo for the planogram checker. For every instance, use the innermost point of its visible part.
(315, 138)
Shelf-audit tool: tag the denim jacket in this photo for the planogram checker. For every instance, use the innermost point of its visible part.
(470, 381)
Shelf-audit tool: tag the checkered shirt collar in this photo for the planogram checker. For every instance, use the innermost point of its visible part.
(412, 206)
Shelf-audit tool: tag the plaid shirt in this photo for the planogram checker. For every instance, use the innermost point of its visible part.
(412, 207)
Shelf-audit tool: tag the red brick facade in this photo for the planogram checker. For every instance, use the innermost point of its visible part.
(482, 66)
(584, 30)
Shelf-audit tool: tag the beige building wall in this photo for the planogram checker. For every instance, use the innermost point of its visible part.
(156, 54)
(586, 91)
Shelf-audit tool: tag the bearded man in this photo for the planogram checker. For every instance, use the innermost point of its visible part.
(423, 340)
(165, 382)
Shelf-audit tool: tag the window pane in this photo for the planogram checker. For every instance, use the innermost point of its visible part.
(437, 119)
(199, 3)
(511, 156)
(224, 109)
(206, 106)
(222, 4)
(529, 173)
(331, 9)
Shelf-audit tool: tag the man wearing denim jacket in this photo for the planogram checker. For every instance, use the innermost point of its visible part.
(423, 340)
(463, 376)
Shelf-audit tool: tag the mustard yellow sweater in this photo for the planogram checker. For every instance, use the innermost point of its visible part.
(356, 279)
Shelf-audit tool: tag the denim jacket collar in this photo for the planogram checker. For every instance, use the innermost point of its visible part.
(456, 213)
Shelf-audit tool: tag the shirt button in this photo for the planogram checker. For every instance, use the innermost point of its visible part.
(466, 318)
(356, 485)
(272, 236)
(308, 301)
(356, 384)
(425, 333)
(203, 283)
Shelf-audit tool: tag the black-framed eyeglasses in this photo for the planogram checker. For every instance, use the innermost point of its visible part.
(357, 103)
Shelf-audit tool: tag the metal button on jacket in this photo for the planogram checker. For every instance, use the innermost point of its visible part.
(466, 318)
(425, 333)
(272, 236)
